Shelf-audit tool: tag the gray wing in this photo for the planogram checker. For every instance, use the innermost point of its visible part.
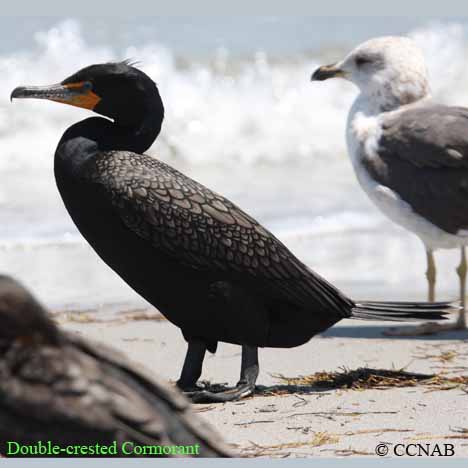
(204, 230)
(422, 155)
(85, 393)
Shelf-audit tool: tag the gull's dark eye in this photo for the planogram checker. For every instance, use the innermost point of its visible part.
(362, 60)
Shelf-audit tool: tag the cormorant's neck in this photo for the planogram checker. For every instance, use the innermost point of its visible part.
(108, 135)
(138, 131)
(83, 140)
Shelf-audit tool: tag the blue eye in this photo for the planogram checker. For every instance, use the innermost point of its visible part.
(87, 86)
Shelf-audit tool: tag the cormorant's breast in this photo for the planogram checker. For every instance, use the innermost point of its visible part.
(181, 293)
(135, 260)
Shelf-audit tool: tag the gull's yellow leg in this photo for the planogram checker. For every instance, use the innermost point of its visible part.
(461, 271)
(430, 275)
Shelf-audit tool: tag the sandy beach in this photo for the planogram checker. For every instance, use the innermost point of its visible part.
(311, 421)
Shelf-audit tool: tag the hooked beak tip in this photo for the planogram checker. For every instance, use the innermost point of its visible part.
(327, 71)
(16, 93)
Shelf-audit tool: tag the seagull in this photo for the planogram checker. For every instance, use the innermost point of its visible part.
(58, 387)
(409, 153)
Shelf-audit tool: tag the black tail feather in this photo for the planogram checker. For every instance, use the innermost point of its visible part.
(408, 305)
(403, 311)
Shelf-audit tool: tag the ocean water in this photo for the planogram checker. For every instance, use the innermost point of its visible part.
(242, 117)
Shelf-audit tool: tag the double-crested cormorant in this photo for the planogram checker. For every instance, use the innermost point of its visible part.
(55, 386)
(410, 154)
(209, 267)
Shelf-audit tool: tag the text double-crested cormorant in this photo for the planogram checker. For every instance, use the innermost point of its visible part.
(55, 386)
(209, 267)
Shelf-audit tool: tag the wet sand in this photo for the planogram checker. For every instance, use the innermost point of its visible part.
(310, 421)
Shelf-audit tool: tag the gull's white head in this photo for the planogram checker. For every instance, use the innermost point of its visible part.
(390, 71)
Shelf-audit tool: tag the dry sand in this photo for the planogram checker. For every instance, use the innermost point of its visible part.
(312, 422)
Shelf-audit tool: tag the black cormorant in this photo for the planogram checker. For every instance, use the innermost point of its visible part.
(209, 267)
(55, 386)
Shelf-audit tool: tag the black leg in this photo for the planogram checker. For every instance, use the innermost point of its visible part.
(245, 386)
(192, 368)
(249, 366)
